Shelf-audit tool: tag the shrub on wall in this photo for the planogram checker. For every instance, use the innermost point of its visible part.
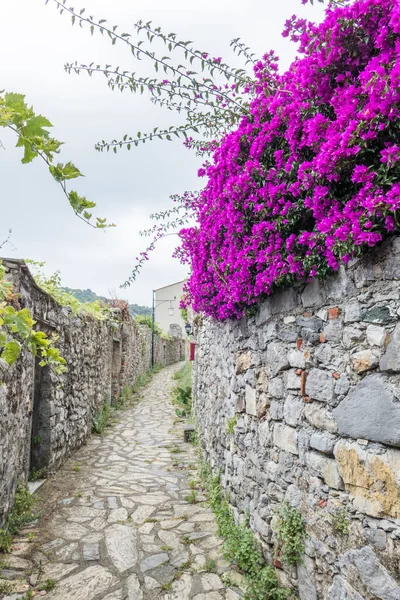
(310, 178)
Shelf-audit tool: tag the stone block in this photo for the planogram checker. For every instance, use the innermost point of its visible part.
(264, 313)
(276, 410)
(306, 579)
(342, 385)
(276, 388)
(243, 362)
(341, 590)
(370, 411)
(292, 380)
(352, 312)
(365, 360)
(323, 354)
(240, 405)
(322, 443)
(379, 315)
(277, 358)
(314, 324)
(371, 479)
(333, 330)
(318, 416)
(285, 438)
(326, 468)
(376, 537)
(312, 295)
(296, 359)
(373, 575)
(390, 361)
(293, 410)
(319, 385)
(256, 402)
(339, 285)
(376, 335)
(352, 336)
(284, 300)
(262, 379)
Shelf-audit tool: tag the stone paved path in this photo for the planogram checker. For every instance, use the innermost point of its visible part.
(117, 525)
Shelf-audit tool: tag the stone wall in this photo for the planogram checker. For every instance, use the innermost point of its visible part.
(312, 382)
(44, 418)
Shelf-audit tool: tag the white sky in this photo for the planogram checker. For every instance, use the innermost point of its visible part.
(35, 42)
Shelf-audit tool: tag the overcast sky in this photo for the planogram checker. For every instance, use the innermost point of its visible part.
(35, 42)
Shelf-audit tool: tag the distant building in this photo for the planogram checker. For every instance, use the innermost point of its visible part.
(167, 311)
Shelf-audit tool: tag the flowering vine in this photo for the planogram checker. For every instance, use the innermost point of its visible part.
(310, 178)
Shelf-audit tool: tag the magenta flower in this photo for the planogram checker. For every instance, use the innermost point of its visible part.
(310, 176)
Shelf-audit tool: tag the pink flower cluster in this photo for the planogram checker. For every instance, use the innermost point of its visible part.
(311, 177)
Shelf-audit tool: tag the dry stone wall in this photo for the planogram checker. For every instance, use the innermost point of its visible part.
(45, 418)
(312, 385)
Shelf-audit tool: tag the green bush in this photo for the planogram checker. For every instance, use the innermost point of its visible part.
(291, 532)
(101, 419)
(5, 540)
(340, 522)
(148, 321)
(183, 391)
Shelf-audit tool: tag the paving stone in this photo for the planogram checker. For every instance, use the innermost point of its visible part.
(180, 589)
(211, 581)
(133, 587)
(85, 585)
(142, 513)
(151, 584)
(121, 544)
(114, 595)
(70, 531)
(58, 571)
(91, 551)
(118, 514)
(151, 562)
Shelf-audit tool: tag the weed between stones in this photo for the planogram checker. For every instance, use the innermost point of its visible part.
(231, 424)
(20, 515)
(291, 532)
(340, 522)
(240, 546)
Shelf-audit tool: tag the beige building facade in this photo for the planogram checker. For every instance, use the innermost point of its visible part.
(167, 311)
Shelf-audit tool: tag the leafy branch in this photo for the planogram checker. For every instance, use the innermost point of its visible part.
(209, 97)
(34, 138)
(17, 331)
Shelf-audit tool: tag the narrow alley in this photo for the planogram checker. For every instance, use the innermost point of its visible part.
(120, 520)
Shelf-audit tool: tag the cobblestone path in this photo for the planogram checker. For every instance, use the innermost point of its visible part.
(116, 523)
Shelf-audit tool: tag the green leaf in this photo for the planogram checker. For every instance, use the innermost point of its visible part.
(3, 339)
(15, 101)
(11, 352)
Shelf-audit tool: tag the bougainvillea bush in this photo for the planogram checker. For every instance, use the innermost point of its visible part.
(311, 177)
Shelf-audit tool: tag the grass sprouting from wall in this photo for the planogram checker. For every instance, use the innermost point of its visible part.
(20, 515)
(240, 546)
(182, 393)
(102, 419)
